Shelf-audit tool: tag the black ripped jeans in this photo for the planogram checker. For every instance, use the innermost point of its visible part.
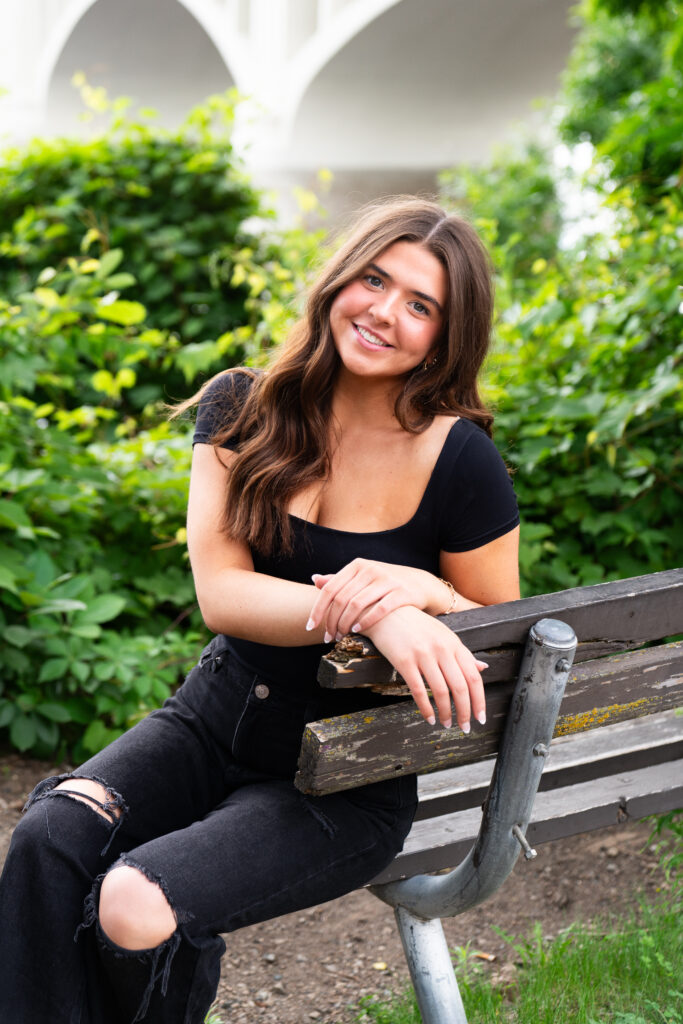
(208, 811)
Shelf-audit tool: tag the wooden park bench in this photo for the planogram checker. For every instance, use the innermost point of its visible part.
(607, 702)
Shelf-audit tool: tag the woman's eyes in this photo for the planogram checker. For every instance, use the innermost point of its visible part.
(375, 281)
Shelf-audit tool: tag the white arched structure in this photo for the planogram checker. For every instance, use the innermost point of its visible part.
(68, 14)
(156, 53)
(457, 69)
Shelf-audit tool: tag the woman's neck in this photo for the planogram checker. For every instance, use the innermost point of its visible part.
(365, 404)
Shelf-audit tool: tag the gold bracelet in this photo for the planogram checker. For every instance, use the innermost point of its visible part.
(454, 597)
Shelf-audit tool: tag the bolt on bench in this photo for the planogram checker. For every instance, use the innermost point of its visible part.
(617, 751)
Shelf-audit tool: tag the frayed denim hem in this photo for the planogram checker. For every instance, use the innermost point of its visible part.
(160, 960)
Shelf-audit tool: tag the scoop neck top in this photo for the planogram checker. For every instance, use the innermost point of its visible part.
(468, 501)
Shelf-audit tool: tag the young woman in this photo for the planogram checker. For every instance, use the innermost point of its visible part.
(352, 487)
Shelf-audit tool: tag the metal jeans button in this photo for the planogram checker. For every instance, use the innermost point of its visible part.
(261, 691)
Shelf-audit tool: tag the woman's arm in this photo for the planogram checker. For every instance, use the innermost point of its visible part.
(363, 592)
(233, 598)
(428, 655)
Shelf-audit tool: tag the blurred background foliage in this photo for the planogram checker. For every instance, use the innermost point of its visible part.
(135, 265)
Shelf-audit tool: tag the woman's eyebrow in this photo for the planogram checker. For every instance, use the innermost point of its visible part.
(422, 295)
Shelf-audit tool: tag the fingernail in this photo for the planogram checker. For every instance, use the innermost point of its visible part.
(431, 720)
(310, 624)
(315, 576)
(482, 664)
(338, 637)
(356, 628)
(448, 723)
(481, 717)
(327, 638)
(465, 728)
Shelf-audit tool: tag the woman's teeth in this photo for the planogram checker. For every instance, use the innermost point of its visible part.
(371, 338)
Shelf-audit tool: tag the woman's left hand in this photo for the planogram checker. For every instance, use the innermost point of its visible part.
(428, 655)
(364, 591)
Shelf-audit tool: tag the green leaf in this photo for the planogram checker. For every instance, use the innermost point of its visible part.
(119, 281)
(7, 580)
(62, 604)
(80, 669)
(121, 312)
(86, 631)
(19, 636)
(7, 713)
(97, 736)
(53, 668)
(13, 515)
(101, 609)
(108, 263)
(22, 731)
(55, 712)
(47, 733)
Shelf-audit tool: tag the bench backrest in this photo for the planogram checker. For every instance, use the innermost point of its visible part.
(612, 680)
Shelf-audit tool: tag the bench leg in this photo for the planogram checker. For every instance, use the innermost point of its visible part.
(431, 970)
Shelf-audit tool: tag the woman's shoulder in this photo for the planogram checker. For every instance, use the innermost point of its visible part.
(477, 499)
(229, 385)
(221, 400)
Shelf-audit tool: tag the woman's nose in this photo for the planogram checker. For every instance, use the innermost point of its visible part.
(382, 309)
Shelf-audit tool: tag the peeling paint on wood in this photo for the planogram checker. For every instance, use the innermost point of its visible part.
(366, 746)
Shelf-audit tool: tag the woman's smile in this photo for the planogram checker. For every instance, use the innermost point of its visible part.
(371, 338)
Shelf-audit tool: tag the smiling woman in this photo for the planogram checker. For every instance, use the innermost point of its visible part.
(351, 487)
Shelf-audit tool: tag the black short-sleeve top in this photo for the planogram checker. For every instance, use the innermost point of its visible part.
(468, 502)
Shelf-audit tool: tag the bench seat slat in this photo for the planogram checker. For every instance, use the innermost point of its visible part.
(393, 740)
(624, 746)
(442, 842)
(620, 615)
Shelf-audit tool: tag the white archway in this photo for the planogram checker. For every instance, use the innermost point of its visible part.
(158, 53)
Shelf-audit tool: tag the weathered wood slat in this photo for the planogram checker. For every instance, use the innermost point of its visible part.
(620, 615)
(393, 740)
(622, 747)
(443, 842)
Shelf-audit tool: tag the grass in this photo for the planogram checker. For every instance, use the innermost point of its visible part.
(624, 972)
(628, 972)
(609, 972)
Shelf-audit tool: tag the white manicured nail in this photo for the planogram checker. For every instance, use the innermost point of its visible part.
(431, 720)
(310, 624)
(356, 628)
(448, 723)
(465, 728)
(327, 638)
(481, 717)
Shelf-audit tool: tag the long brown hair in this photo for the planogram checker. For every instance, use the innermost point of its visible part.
(283, 423)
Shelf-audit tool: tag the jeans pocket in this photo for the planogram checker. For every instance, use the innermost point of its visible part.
(267, 736)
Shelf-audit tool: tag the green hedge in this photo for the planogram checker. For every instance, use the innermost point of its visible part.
(174, 203)
(98, 617)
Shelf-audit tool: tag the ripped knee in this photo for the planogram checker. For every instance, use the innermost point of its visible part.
(134, 911)
(94, 794)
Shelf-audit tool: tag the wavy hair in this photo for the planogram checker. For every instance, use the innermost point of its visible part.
(283, 423)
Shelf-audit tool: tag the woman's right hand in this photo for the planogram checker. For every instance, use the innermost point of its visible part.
(427, 654)
(364, 591)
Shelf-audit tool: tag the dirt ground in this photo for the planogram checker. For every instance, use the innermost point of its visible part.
(316, 965)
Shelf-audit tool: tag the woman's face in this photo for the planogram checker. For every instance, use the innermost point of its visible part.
(390, 319)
